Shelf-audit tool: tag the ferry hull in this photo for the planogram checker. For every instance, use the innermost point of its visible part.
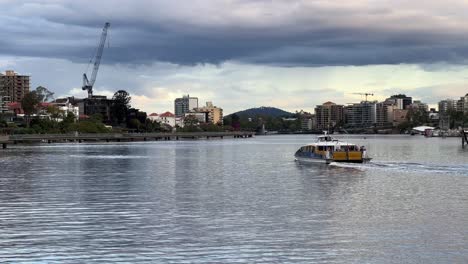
(328, 161)
(311, 160)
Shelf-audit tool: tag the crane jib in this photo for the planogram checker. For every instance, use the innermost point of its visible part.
(89, 83)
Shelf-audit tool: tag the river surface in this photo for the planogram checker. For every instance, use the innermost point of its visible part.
(234, 201)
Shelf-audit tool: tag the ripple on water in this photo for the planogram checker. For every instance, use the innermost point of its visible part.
(233, 201)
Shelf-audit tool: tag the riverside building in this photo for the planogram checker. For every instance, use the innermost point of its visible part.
(329, 115)
(208, 114)
(13, 87)
(184, 105)
(447, 105)
(360, 115)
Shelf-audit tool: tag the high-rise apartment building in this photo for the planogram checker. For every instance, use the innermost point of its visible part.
(13, 87)
(447, 105)
(418, 105)
(400, 101)
(465, 106)
(329, 115)
(385, 112)
(360, 115)
(462, 104)
(184, 105)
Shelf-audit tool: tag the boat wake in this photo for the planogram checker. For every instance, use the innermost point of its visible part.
(407, 166)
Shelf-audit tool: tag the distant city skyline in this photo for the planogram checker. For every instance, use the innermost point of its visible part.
(241, 54)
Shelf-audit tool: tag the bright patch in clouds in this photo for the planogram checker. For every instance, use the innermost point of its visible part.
(235, 86)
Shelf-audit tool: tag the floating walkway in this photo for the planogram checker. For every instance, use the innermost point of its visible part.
(117, 137)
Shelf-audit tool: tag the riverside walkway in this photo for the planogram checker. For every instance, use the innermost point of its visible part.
(117, 137)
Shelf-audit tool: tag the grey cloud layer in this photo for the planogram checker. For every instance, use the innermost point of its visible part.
(287, 33)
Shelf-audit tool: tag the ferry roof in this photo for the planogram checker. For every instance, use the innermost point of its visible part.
(332, 143)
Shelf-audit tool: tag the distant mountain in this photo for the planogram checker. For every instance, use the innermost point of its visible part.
(262, 111)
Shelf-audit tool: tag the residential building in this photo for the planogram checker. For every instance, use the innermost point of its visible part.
(465, 106)
(385, 113)
(213, 114)
(329, 115)
(308, 122)
(400, 101)
(168, 118)
(201, 116)
(361, 114)
(447, 105)
(95, 105)
(184, 105)
(4, 101)
(434, 117)
(419, 106)
(13, 87)
(460, 107)
(462, 104)
(66, 107)
(399, 116)
(154, 117)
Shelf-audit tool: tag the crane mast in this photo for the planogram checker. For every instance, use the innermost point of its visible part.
(88, 84)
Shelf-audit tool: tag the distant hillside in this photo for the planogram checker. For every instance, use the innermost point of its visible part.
(263, 111)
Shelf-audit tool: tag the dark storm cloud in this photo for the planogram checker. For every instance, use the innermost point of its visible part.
(261, 32)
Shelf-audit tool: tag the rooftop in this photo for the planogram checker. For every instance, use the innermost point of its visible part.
(167, 114)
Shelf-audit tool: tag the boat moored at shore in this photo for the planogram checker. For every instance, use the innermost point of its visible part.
(327, 149)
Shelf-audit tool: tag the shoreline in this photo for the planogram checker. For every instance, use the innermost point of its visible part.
(117, 137)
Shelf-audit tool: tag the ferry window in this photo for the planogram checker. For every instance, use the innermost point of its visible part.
(320, 148)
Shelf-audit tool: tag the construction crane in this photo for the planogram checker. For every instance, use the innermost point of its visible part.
(88, 84)
(365, 94)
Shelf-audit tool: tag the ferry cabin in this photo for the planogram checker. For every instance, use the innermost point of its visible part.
(330, 149)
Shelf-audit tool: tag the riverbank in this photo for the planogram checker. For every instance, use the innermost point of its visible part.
(118, 137)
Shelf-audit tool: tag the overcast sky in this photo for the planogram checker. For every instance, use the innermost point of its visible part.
(242, 53)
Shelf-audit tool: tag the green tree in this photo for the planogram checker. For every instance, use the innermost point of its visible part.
(191, 121)
(417, 117)
(70, 118)
(456, 118)
(120, 105)
(29, 105)
(134, 123)
(43, 94)
(152, 126)
(209, 127)
(191, 124)
(235, 122)
(54, 112)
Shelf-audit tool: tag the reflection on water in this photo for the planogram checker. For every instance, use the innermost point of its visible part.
(225, 201)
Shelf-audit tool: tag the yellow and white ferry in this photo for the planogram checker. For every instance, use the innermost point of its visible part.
(327, 149)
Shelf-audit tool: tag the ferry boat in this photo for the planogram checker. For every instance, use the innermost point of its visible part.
(327, 149)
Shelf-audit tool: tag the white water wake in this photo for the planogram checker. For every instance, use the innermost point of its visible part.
(407, 166)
